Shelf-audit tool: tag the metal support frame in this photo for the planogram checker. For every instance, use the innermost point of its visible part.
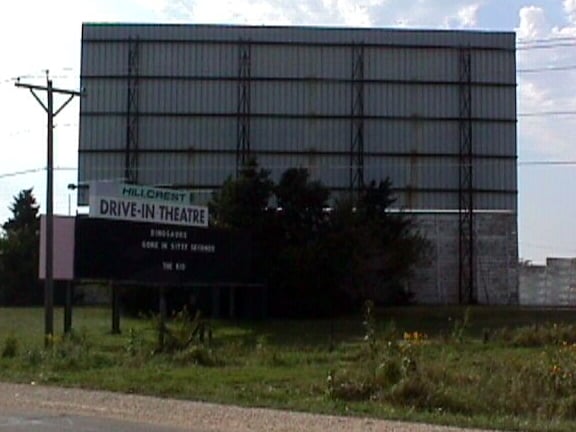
(466, 249)
(357, 116)
(132, 113)
(243, 109)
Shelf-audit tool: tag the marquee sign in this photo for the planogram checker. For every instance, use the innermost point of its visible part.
(145, 204)
(144, 252)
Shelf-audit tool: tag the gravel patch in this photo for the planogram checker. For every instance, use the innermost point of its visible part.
(197, 415)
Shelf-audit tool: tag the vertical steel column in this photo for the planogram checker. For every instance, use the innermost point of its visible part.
(243, 109)
(132, 113)
(466, 280)
(357, 116)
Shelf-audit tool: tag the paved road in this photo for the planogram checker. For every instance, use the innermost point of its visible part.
(49, 409)
(36, 421)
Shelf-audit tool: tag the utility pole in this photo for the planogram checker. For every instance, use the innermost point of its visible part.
(49, 280)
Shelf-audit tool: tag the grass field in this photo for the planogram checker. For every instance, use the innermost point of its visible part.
(506, 368)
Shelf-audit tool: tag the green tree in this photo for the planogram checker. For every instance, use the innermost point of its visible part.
(382, 247)
(303, 204)
(300, 287)
(242, 202)
(318, 260)
(19, 252)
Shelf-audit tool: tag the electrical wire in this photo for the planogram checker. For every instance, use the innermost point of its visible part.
(548, 46)
(23, 172)
(566, 249)
(547, 114)
(546, 40)
(548, 163)
(546, 69)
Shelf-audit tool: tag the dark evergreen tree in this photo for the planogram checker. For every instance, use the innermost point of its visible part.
(19, 253)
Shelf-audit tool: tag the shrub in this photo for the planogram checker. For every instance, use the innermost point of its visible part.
(10, 347)
(538, 335)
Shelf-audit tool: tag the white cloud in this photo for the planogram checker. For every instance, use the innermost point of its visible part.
(533, 23)
(544, 134)
(465, 17)
(570, 9)
(426, 13)
(277, 12)
(546, 91)
(357, 13)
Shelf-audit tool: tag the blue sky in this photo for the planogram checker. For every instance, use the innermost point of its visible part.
(36, 35)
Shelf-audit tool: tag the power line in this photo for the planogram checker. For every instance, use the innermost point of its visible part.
(546, 40)
(38, 129)
(547, 46)
(547, 69)
(547, 113)
(18, 173)
(547, 163)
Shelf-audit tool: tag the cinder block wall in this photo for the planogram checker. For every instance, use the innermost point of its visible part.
(551, 285)
(496, 259)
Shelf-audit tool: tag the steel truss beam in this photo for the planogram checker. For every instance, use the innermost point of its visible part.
(132, 113)
(243, 110)
(466, 255)
(357, 116)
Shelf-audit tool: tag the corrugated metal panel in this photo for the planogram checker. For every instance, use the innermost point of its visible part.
(104, 95)
(491, 201)
(101, 166)
(425, 200)
(282, 134)
(441, 172)
(438, 101)
(331, 170)
(300, 135)
(309, 98)
(194, 169)
(211, 97)
(419, 64)
(494, 103)
(188, 60)
(105, 59)
(416, 135)
(187, 133)
(495, 174)
(418, 200)
(411, 135)
(301, 101)
(494, 138)
(434, 173)
(102, 132)
(332, 62)
(494, 67)
(500, 40)
(161, 96)
(301, 62)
